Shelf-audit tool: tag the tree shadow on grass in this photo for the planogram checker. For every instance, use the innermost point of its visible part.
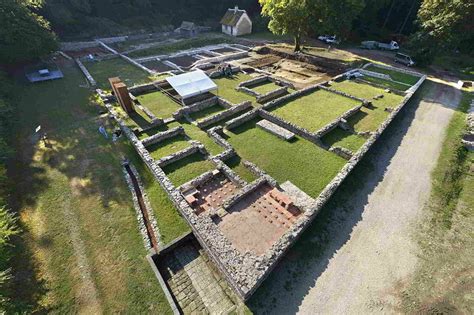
(309, 257)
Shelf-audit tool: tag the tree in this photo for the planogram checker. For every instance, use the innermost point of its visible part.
(449, 22)
(334, 17)
(24, 35)
(287, 17)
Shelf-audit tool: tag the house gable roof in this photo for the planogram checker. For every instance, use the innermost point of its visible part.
(232, 17)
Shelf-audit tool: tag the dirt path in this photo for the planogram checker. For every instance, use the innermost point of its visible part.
(371, 249)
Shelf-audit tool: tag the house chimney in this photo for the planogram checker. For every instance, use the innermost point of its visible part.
(236, 8)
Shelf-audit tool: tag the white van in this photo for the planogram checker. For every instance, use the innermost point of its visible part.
(404, 59)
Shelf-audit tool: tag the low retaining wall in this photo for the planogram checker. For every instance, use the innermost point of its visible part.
(272, 94)
(233, 123)
(224, 114)
(85, 72)
(196, 107)
(167, 160)
(163, 136)
(214, 133)
(303, 133)
(332, 125)
(352, 97)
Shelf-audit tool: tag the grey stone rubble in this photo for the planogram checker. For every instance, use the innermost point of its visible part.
(215, 134)
(278, 131)
(300, 198)
(342, 152)
(141, 223)
(160, 136)
(223, 114)
(245, 272)
(86, 73)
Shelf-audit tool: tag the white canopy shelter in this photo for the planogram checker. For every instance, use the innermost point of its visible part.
(191, 83)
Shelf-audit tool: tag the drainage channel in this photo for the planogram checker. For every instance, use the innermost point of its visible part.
(143, 209)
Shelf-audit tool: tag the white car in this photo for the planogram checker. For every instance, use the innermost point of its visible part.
(328, 39)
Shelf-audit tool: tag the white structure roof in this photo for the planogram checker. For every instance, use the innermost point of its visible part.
(191, 83)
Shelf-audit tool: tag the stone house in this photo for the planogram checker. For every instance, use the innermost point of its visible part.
(236, 22)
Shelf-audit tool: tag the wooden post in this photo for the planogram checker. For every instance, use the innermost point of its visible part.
(122, 95)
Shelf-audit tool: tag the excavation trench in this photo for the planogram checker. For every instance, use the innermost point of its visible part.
(141, 203)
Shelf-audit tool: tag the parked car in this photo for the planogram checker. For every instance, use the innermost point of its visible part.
(329, 39)
(404, 59)
(371, 44)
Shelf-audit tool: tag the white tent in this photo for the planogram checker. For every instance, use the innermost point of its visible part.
(191, 83)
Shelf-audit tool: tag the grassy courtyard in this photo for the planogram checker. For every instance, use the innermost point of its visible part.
(159, 104)
(265, 87)
(368, 119)
(315, 110)
(83, 253)
(237, 165)
(101, 71)
(395, 75)
(386, 84)
(168, 147)
(206, 112)
(344, 139)
(301, 162)
(188, 168)
(227, 87)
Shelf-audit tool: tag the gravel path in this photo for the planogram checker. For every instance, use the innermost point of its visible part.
(371, 250)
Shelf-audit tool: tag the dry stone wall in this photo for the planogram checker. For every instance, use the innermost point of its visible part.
(224, 114)
(163, 136)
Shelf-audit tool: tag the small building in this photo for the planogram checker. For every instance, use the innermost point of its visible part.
(188, 28)
(236, 22)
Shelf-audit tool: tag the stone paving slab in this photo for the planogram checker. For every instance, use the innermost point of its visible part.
(276, 130)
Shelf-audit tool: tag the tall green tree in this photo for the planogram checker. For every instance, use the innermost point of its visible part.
(449, 22)
(24, 35)
(334, 17)
(288, 17)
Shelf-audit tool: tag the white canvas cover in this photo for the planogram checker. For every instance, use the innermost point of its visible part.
(191, 83)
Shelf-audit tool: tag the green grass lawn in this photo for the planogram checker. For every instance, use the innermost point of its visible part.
(207, 112)
(170, 223)
(138, 119)
(301, 162)
(265, 87)
(74, 191)
(101, 71)
(168, 147)
(395, 75)
(159, 104)
(197, 42)
(190, 167)
(236, 164)
(341, 138)
(227, 87)
(369, 119)
(386, 83)
(315, 110)
(197, 134)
